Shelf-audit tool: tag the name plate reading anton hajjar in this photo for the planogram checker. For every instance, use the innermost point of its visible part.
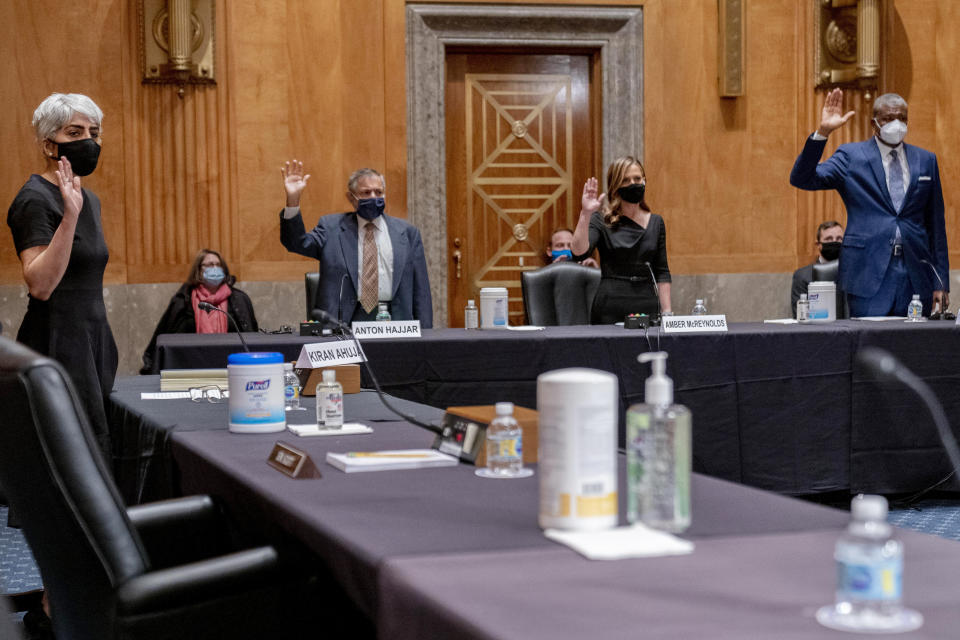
(327, 354)
(694, 324)
(391, 329)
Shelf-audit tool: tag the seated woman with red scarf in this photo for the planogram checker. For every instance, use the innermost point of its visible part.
(209, 281)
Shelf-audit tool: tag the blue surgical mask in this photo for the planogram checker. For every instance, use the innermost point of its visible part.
(213, 276)
(562, 253)
(370, 208)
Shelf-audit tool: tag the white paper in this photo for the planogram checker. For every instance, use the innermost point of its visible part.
(525, 327)
(348, 429)
(171, 395)
(328, 354)
(781, 321)
(392, 329)
(637, 541)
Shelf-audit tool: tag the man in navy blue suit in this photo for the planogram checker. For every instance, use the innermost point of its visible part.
(895, 244)
(366, 257)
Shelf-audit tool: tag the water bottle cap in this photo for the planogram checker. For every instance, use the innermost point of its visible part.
(865, 507)
(803, 296)
(916, 296)
(471, 303)
(329, 375)
(288, 366)
(504, 408)
(699, 300)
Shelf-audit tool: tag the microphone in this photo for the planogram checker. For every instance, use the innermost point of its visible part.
(323, 315)
(941, 313)
(656, 290)
(340, 297)
(888, 370)
(206, 306)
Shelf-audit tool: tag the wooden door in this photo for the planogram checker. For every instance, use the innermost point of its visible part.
(521, 140)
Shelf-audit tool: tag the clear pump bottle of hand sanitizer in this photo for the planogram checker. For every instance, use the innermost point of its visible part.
(659, 454)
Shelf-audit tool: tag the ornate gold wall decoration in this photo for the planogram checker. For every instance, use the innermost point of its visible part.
(847, 51)
(176, 42)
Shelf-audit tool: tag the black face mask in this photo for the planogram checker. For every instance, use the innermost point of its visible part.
(632, 193)
(830, 250)
(82, 154)
(370, 208)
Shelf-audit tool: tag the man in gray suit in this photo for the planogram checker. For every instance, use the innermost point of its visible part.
(829, 239)
(366, 257)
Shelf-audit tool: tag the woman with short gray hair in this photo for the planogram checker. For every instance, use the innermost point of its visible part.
(58, 235)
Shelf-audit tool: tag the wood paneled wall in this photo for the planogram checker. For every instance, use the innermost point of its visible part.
(324, 81)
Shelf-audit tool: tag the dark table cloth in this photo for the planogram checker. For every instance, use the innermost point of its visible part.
(780, 407)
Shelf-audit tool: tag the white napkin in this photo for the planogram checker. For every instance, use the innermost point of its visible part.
(348, 429)
(636, 541)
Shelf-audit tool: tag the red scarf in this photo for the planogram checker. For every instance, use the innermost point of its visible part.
(210, 321)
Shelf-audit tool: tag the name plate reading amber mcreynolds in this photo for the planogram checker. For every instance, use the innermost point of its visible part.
(291, 461)
(694, 324)
(391, 329)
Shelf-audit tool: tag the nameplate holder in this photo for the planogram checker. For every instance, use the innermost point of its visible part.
(694, 324)
(292, 462)
(391, 329)
(327, 354)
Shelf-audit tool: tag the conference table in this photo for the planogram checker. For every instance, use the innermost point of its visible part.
(442, 553)
(778, 407)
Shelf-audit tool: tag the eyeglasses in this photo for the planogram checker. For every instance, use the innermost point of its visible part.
(212, 394)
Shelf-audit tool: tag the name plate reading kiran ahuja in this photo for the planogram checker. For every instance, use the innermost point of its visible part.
(328, 354)
(694, 324)
(391, 329)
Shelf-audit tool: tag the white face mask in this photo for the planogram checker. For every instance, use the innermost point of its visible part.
(893, 132)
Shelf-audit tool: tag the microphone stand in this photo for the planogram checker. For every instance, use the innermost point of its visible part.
(321, 314)
(206, 306)
(887, 369)
(656, 291)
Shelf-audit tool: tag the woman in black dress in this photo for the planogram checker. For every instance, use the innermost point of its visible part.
(209, 281)
(57, 234)
(631, 241)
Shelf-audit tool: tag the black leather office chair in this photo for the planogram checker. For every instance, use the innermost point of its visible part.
(559, 294)
(110, 572)
(311, 282)
(830, 272)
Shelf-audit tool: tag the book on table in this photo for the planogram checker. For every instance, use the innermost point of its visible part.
(353, 461)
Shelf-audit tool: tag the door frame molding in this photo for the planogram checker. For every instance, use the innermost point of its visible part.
(616, 32)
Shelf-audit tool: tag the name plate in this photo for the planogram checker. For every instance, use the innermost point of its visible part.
(292, 461)
(694, 324)
(326, 354)
(391, 329)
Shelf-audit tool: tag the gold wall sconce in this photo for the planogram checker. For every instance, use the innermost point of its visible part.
(176, 42)
(847, 51)
(731, 18)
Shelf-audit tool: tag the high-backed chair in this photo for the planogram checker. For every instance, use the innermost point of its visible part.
(559, 294)
(311, 282)
(110, 572)
(830, 272)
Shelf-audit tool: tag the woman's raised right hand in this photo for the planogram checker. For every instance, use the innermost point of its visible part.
(590, 201)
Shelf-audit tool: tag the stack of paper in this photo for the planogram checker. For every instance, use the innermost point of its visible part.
(183, 379)
(384, 460)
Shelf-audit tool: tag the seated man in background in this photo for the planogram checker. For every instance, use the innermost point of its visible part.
(560, 249)
(209, 281)
(366, 256)
(829, 239)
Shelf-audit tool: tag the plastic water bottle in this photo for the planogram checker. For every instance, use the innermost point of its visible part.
(504, 446)
(329, 402)
(471, 316)
(869, 564)
(803, 308)
(291, 388)
(383, 314)
(699, 309)
(915, 310)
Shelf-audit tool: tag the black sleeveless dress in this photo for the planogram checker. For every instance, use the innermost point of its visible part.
(71, 326)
